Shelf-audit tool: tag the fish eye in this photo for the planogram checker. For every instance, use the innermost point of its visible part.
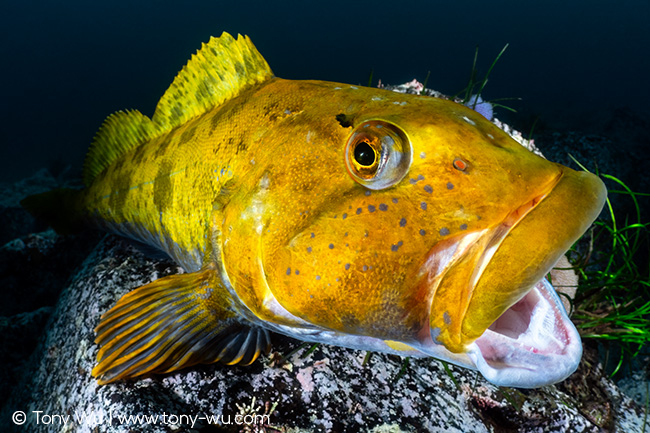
(378, 154)
(364, 154)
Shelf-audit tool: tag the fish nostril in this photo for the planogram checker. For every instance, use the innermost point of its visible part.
(344, 120)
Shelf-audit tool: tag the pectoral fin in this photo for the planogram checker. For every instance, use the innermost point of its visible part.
(172, 323)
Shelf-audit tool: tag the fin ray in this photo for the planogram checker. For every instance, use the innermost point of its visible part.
(171, 323)
(133, 330)
(120, 319)
(152, 354)
(219, 71)
(120, 133)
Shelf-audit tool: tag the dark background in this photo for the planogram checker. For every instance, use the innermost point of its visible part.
(67, 65)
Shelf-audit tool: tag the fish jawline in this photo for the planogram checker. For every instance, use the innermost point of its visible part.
(532, 344)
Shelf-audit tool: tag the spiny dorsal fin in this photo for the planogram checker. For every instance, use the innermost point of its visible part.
(219, 71)
(120, 132)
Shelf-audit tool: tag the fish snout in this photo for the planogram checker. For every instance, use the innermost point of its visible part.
(503, 317)
(532, 246)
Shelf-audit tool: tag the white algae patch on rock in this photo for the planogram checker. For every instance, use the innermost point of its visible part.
(328, 390)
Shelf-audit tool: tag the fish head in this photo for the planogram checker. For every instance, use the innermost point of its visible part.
(415, 223)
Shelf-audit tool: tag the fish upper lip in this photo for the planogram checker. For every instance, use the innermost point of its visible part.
(533, 343)
(499, 233)
(485, 243)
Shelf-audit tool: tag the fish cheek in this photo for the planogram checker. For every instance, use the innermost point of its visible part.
(307, 277)
(342, 281)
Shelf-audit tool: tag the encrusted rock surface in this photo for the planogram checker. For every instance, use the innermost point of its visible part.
(330, 389)
(34, 268)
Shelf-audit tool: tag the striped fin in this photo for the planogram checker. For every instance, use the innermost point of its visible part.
(172, 323)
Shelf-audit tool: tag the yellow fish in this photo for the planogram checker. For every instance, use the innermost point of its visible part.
(330, 213)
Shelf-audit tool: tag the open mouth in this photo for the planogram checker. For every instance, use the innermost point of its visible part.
(493, 309)
(532, 344)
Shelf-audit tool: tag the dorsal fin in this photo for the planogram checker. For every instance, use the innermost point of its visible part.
(219, 71)
(120, 132)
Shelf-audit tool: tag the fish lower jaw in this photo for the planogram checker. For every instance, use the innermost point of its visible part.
(533, 344)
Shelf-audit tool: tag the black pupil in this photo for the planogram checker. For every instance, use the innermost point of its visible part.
(364, 154)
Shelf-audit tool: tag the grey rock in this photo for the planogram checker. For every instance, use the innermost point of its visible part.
(33, 270)
(329, 389)
(16, 221)
(19, 335)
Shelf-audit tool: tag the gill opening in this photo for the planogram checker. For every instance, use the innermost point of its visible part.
(270, 304)
(440, 259)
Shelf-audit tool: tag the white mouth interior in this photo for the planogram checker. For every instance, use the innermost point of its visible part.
(532, 344)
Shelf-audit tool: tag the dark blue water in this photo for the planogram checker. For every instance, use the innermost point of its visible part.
(66, 65)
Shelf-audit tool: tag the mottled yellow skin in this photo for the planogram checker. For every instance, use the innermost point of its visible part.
(259, 184)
